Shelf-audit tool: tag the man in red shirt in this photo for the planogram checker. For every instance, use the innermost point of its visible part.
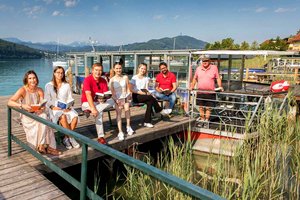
(166, 85)
(93, 84)
(205, 77)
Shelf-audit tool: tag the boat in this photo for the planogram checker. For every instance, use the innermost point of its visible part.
(58, 62)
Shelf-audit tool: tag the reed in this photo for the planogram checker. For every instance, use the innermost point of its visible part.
(266, 167)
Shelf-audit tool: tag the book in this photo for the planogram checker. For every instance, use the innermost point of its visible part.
(219, 89)
(65, 105)
(165, 91)
(105, 95)
(36, 107)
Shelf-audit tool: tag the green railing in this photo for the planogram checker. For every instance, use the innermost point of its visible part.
(81, 185)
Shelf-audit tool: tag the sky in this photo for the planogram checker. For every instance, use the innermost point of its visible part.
(120, 22)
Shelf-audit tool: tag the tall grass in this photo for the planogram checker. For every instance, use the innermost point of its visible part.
(266, 167)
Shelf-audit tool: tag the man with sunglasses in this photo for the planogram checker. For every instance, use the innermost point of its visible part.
(93, 84)
(166, 86)
(205, 77)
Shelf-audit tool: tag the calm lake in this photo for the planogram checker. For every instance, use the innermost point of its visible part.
(12, 73)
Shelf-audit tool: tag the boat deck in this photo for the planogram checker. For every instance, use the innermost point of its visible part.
(28, 170)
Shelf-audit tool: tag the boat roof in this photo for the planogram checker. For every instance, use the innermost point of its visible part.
(245, 52)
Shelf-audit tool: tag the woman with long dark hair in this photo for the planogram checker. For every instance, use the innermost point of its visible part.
(59, 90)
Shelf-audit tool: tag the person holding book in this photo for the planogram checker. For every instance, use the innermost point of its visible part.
(166, 86)
(119, 85)
(93, 84)
(205, 77)
(141, 94)
(59, 95)
(39, 135)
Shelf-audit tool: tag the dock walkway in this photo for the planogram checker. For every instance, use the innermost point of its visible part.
(28, 171)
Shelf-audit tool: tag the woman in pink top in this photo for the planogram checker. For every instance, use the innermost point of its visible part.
(205, 76)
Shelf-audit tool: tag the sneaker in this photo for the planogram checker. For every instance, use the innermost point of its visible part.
(67, 143)
(169, 111)
(101, 140)
(129, 130)
(121, 136)
(164, 112)
(149, 125)
(74, 143)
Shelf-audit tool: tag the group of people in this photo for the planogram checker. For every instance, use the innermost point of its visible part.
(123, 91)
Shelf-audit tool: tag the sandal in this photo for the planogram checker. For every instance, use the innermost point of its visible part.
(53, 152)
(42, 149)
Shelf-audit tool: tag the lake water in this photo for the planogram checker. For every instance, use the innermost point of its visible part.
(12, 73)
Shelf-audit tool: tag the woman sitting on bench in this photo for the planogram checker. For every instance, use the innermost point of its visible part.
(141, 94)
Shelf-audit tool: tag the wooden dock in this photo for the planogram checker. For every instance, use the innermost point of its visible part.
(28, 170)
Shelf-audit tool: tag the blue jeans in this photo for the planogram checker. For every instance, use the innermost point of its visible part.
(170, 98)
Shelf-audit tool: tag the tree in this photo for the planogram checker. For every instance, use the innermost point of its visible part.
(254, 45)
(245, 46)
(227, 43)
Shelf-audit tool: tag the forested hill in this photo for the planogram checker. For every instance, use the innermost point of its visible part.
(178, 42)
(9, 50)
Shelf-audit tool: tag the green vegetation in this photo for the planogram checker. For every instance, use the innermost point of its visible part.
(267, 167)
(9, 50)
(255, 62)
(228, 44)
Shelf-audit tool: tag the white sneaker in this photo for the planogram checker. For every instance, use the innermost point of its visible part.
(164, 112)
(121, 136)
(168, 111)
(149, 125)
(129, 130)
(67, 143)
(74, 143)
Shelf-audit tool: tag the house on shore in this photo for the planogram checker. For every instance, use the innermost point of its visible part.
(294, 43)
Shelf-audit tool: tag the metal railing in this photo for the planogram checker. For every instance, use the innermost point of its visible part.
(173, 181)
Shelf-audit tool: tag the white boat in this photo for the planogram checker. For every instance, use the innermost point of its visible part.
(63, 64)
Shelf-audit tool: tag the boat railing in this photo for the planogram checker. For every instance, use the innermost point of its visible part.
(233, 112)
(173, 181)
(230, 111)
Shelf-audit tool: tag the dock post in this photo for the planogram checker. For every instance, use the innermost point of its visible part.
(8, 132)
(83, 177)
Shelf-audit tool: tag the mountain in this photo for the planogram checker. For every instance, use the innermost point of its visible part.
(181, 42)
(12, 50)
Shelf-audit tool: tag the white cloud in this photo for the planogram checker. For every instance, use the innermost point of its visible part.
(282, 10)
(48, 1)
(4, 7)
(57, 13)
(70, 3)
(95, 8)
(33, 11)
(261, 9)
(176, 16)
(157, 17)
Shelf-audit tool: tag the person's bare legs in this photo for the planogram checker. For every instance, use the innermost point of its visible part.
(127, 113)
(64, 123)
(119, 118)
(207, 113)
(74, 123)
(201, 110)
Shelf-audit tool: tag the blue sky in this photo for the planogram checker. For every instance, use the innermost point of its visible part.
(119, 22)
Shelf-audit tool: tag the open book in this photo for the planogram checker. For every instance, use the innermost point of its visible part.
(165, 91)
(36, 107)
(65, 105)
(105, 95)
(124, 96)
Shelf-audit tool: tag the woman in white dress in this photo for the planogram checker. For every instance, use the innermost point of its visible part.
(119, 85)
(38, 135)
(59, 89)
